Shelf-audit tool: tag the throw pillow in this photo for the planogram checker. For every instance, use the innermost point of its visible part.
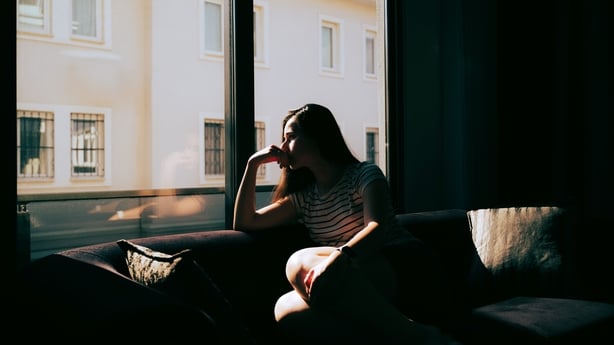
(523, 248)
(180, 276)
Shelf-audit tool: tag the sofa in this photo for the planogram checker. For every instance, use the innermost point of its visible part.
(484, 276)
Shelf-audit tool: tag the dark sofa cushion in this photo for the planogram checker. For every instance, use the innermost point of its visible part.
(445, 253)
(540, 320)
(80, 302)
(180, 276)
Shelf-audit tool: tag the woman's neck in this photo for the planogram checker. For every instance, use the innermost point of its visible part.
(327, 175)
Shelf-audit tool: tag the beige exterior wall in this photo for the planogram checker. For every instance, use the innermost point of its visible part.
(155, 86)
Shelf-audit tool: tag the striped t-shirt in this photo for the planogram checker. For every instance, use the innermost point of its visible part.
(335, 217)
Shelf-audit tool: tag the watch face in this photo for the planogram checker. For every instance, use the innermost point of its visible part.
(348, 251)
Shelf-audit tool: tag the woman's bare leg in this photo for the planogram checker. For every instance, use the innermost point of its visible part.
(359, 300)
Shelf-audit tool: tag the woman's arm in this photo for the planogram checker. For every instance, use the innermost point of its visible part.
(377, 210)
(246, 217)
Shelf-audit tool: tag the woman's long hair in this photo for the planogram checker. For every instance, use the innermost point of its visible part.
(318, 123)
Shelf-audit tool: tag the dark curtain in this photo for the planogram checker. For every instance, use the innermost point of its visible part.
(505, 103)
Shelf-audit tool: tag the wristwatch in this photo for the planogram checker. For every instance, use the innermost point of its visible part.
(347, 251)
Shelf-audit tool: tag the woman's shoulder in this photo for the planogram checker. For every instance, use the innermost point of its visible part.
(366, 167)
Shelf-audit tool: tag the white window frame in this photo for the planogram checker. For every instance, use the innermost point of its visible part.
(30, 10)
(261, 34)
(58, 26)
(337, 46)
(99, 37)
(62, 145)
(369, 32)
(204, 52)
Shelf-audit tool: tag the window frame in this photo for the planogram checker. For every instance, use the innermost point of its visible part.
(261, 34)
(208, 179)
(46, 121)
(369, 32)
(337, 46)
(99, 36)
(45, 29)
(92, 157)
(205, 52)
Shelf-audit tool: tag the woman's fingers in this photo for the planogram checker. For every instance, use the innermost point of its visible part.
(281, 156)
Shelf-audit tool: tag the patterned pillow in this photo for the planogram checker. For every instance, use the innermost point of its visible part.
(180, 276)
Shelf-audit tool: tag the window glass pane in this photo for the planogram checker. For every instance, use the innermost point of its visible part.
(32, 15)
(298, 74)
(213, 27)
(370, 55)
(131, 117)
(84, 18)
(327, 47)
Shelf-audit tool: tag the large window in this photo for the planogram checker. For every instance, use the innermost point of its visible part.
(123, 106)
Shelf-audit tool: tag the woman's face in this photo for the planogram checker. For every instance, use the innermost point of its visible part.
(300, 148)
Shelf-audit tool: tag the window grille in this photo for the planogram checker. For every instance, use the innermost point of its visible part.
(214, 146)
(372, 145)
(87, 145)
(35, 140)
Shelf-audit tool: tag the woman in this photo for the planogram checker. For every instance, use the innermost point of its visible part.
(344, 287)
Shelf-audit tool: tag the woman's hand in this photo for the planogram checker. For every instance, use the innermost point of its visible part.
(325, 280)
(270, 154)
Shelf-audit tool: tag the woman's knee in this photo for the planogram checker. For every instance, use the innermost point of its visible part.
(301, 261)
(289, 305)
